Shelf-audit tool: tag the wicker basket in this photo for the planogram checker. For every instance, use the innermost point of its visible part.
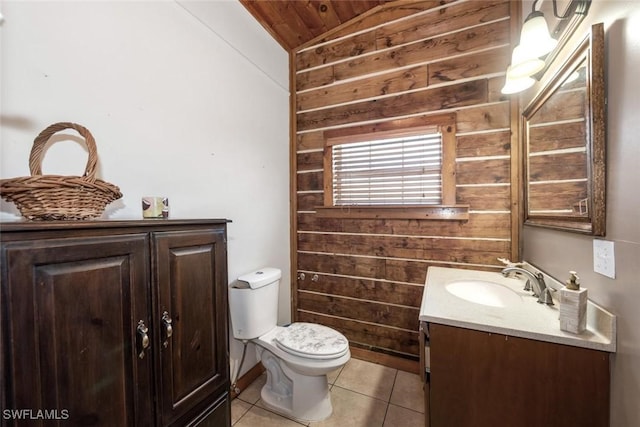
(56, 197)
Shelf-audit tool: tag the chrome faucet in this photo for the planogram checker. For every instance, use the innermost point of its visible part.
(540, 288)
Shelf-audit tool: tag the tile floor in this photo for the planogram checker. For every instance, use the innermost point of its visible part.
(363, 394)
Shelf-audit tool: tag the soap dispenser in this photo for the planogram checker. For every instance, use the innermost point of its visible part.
(573, 305)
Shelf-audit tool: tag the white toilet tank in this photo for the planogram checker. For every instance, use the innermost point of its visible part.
(253, 303)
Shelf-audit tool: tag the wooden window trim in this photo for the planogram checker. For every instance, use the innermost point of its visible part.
(448, 210)
(453, 212)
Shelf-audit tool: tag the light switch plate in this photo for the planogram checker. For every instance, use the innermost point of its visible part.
(604, 260)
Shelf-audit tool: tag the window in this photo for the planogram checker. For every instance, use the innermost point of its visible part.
(399, 169)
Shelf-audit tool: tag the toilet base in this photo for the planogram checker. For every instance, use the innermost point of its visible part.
(297, 396)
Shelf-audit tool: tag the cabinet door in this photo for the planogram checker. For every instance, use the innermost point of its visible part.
(482, 379)
(74, 306)
(191, 285)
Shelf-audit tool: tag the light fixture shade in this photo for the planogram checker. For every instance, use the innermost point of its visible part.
(516, 84)
(534, 37)
(522, 65)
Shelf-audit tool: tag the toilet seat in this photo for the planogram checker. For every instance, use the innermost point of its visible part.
(311, 341)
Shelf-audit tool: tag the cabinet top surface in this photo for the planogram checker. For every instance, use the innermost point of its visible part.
(521, 317)
(102, 224)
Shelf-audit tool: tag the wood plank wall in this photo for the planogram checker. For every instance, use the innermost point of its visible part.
(404, 59)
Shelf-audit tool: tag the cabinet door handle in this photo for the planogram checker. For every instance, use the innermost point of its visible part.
(168, 328)
(142, 337)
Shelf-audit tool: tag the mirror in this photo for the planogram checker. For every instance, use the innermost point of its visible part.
(563, 130)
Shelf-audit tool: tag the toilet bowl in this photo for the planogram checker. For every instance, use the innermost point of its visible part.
(297, 357)
(297, 384)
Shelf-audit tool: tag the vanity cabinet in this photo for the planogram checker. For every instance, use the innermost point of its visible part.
(115, 323)
(487, 379)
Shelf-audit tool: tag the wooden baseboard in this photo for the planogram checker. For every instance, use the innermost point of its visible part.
(395, 362)
(246, 380)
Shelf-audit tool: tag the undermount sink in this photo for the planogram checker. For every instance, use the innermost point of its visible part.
(484, 292)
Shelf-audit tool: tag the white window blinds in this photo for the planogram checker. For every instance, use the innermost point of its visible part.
(394, 171)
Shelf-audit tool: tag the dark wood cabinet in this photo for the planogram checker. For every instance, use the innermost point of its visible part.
(486, 379)
(114, 323)
(191, 367)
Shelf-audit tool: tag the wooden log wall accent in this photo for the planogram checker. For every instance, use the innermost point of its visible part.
(403, 59)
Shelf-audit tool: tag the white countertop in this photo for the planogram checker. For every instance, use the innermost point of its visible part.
(527, 319)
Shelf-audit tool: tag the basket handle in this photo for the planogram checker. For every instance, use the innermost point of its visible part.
(35, 159)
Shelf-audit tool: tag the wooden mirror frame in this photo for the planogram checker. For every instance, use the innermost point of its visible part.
(590, 50)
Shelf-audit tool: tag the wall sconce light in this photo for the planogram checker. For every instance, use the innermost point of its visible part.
(535, 43)
(514, 84)
(534, 36)
(525, 64)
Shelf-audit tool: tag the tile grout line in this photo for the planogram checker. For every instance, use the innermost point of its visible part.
(395, 378)
(387, 401)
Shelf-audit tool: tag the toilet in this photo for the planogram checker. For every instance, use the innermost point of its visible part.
(297, 357)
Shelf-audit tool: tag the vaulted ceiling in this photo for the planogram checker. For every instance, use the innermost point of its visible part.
(294, 22)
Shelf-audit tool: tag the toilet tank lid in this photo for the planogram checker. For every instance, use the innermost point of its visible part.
(260, 278)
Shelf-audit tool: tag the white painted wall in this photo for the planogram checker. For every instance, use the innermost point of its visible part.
(558, 252)
(188, 100)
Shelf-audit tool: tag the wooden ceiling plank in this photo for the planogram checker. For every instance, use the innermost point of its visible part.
(327, 12)
(345, 11)
(309, 12)
(362, 6)
(296, 26)
(273, 23)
